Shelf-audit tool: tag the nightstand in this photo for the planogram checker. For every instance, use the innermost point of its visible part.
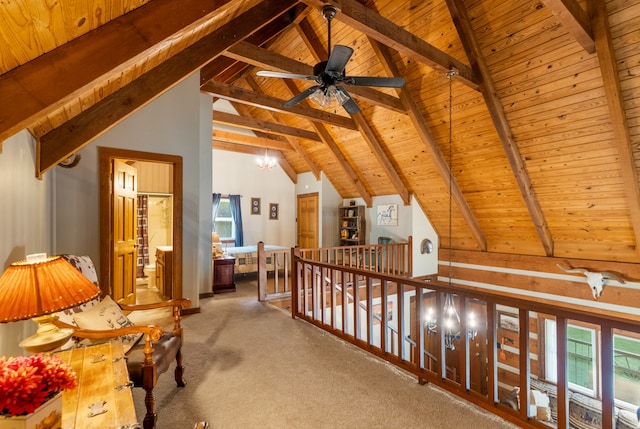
(223, 272)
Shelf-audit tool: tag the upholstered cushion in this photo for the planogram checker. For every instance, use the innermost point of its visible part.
(84, 264)
(584, 412)
(539, 404)
(512, 399)
(164, 351)
(627, 420)
(107, 315)
(551, 391)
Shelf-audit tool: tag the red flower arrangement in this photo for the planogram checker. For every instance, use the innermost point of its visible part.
(26, 382)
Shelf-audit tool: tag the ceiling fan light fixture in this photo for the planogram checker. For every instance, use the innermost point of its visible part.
(328, 97)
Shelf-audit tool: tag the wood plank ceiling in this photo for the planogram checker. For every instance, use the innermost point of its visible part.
(538, 144)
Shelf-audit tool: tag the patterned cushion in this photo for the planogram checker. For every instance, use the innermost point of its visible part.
(107, 315)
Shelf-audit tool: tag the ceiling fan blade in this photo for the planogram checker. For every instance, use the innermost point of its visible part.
(350, 105)
(386, 82)
(338, 59)
(298, 98)
(266, 73)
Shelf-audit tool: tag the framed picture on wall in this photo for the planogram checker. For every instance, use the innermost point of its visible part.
(273, 211)
(387, 214)
(255, 206)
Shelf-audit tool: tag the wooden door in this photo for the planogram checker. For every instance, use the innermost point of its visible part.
(308, 222)
(123, 259)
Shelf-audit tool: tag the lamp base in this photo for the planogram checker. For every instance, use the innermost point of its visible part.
(48, 337)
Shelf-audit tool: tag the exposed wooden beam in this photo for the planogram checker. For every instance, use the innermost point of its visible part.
(342, 160)
(370, 23)
(353, 176)
(311, 39)
(608, 67)
(385, 163)
(315, 169)
(249, 140)
(268, 60)
(282, 161)
(420, 125)
(571, 15)
(263, 101)
(264, 126)
(488, 90)
(26, 92)
(80, 130)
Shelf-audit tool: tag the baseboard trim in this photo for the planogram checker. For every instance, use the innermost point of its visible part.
(206, 295)
(186, 311)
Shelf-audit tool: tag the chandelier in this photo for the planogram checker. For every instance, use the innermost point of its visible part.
(328, 97)
(266, 162)
(451, 323)
(451, 318)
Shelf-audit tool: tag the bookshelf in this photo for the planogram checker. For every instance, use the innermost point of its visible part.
(352, 224)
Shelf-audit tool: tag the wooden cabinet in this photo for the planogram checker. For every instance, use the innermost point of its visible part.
(353, 226)
(223, 273)
(164, 271)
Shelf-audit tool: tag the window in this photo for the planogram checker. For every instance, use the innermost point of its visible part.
(581, 357)
(223, 223)
(626, 361)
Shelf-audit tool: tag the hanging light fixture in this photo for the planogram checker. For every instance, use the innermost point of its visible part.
(266, 162)
(451, 318)
(329, 97)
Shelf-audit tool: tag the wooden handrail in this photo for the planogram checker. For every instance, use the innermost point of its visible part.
(322, 294)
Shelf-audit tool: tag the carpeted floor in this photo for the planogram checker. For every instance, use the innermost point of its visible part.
(250, 365)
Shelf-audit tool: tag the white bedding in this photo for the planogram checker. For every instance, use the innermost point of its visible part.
(247, 257)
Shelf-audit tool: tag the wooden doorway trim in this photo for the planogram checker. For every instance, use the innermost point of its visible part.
(105, 157)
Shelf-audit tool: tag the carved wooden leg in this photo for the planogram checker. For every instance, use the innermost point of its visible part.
(179, 370)
(150, 418)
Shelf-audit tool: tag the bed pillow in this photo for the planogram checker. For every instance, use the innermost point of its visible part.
(107, 315)
(540, 405)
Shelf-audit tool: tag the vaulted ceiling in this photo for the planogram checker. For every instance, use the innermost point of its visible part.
(534, 139)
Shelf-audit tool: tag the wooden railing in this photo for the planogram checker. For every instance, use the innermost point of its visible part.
(385, 315)
(392, 258)
(273, 277)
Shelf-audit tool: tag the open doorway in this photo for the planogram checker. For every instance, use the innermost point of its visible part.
(117, 269)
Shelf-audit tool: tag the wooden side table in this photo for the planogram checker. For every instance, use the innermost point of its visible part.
(223, 273)
(103, 379)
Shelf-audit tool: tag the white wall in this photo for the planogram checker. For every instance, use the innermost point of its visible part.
(26, 214)
(236, 173)
(172, 124)
(423, 263)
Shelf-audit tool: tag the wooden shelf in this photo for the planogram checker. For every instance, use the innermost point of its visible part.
(352, 225)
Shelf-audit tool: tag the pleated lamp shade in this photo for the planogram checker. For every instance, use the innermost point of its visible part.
(29, 289)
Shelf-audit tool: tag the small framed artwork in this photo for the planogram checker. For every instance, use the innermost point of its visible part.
(273, 211)
(510, 322)
(387, 214)
(255, 206)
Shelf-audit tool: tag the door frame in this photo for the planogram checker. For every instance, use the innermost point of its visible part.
(105, 157)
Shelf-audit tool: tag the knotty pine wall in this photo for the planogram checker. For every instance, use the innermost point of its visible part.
(539, 278)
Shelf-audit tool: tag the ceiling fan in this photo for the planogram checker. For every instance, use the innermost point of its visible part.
(330, 76)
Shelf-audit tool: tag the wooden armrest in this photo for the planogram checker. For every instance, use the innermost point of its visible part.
(177, 304)
(153, 332)
(181, 303)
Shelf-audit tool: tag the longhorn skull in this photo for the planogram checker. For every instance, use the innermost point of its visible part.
(595, 279)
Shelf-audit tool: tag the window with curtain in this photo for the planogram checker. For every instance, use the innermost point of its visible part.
(223, 222)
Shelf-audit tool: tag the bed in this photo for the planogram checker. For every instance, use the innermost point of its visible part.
(247, 257)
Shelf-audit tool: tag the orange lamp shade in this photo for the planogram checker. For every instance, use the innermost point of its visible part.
(30, 289)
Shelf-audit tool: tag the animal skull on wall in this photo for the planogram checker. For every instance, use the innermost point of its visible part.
(595, 279)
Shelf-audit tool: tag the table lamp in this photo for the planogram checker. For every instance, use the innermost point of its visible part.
(216, 245)
(37, 288)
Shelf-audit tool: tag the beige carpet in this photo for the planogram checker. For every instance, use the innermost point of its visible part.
(250, 365)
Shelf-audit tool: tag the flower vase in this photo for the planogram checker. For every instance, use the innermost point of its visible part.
(46, 416)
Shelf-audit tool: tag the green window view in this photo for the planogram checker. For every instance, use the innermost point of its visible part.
(223, 223)
(580, 356)
(626, 361)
